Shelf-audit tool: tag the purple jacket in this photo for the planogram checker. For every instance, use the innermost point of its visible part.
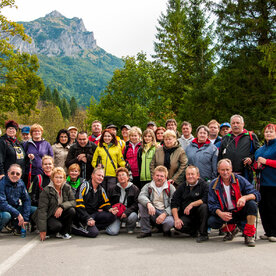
(44, 148)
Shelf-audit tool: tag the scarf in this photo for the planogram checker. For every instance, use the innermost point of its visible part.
(74, 184)
(167, 159)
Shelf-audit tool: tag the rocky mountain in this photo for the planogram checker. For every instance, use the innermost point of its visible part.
(69, 57)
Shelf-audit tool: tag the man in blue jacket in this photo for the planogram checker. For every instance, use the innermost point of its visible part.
(12, 191)
(232, 202)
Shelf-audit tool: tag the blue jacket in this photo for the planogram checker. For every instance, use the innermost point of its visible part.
(204, 158)
(268, 174)
(10, 193)
(215, 196)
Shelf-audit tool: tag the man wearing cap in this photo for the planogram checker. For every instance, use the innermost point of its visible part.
(225, 128)
(152, 125)
(114, 130)
(25, 133)
(124, 130)
(96, 128)
(73, 131)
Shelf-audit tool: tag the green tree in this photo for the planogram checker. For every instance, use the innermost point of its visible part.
(183, 47)
(56, 98)
(132, 96)
(20, 87)
(47, 95)
(73, 106)
(65, 109)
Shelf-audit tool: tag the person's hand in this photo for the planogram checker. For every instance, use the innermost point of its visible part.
(31, 156)
(42, 236)
(91, 222)
(260, 161)
(20, 220)
(188, 209)
(1, 176)
(123, 216)
(161, 218)
(82, 157)
(100, 210)
(58, 212)
(178, 223)
(247, 161)
(151, 209)
(114, 211)
(225, 216)
(241, 202)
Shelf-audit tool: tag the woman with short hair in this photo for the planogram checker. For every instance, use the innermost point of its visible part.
(203, 154)
(56, 210)
(172, 156)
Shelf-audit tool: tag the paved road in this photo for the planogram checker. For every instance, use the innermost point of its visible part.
(126, 255)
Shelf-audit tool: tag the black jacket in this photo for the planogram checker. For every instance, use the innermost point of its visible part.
(11, 152)
(38, 186)
(88, 150)
(246, 147)
(132, 194)
(88, 202)
(183, 195)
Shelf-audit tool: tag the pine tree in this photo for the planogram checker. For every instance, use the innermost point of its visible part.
(73, 106)
(65, 109)
(47, 95)
(56, 98)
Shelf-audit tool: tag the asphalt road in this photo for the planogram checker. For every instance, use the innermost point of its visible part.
(127, 255)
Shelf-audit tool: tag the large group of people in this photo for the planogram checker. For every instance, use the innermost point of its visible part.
(157, 180)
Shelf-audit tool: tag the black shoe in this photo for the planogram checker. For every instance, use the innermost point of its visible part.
(143, 235)
(156, 230)
(231, 235)
(202, 239)
(167, 234)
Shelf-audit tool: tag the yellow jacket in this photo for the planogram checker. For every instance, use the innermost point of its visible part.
(116, 155)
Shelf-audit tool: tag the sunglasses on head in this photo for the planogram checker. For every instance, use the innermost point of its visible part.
(15, 173)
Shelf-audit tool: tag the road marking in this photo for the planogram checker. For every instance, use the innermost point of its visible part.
(13, 259)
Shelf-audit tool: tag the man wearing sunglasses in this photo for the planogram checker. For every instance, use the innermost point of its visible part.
(12, 191)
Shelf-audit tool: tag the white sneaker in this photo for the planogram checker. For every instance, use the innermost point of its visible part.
(130, 231)
(59, 236)
(264, 237)
(272, 239)
(65, 236)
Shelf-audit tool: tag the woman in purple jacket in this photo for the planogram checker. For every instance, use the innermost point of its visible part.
(36, 148)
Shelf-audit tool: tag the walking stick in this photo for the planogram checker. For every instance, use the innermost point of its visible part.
(258, 183)
(30, 175)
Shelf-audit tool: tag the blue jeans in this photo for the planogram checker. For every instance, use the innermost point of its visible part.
(114, 228)
(5, 217)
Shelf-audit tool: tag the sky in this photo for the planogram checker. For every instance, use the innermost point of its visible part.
(120, 27)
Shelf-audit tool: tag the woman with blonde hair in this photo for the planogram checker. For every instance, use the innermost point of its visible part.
(145, 155)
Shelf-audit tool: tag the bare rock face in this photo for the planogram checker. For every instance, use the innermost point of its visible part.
(56, 35)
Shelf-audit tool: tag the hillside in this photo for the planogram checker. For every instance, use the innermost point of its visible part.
(69, 57)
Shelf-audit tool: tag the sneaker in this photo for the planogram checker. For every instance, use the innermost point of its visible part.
(231, 235)
(249, 241)
(65, 236)
(264, 237)
(130, 231)
(143, 235)
(272, 239)
(202, 239)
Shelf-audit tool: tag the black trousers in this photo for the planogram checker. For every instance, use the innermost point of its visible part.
(267, 207)
(108, 184)
(196, 221)
(62, 224)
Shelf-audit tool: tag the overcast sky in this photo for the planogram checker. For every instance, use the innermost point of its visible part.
(121, 27)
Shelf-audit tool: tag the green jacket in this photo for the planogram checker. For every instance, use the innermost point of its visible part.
(48, 204)
(144, 159)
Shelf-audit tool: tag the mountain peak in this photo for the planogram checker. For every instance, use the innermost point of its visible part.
(54, 13)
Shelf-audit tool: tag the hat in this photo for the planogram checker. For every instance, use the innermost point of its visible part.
(11, 123)
(225, 125)
(72, 127)
(128, 127)
(111, 126)
(151, 123)
(25, 129)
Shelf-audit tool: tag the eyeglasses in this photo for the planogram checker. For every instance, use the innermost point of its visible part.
(15, 173)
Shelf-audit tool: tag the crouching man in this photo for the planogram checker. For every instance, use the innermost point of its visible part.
(94, 211)
(154, 203)
(12, 191)
(232, 202)
(189, 205)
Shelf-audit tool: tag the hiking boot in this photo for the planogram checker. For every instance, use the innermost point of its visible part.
(202, 238)
(143, 235)
(231, 235)
(249, 241)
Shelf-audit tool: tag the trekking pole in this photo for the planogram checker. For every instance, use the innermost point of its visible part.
(30, 175)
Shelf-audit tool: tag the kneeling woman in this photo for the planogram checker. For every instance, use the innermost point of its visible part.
(56, 210)
(127, 194)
